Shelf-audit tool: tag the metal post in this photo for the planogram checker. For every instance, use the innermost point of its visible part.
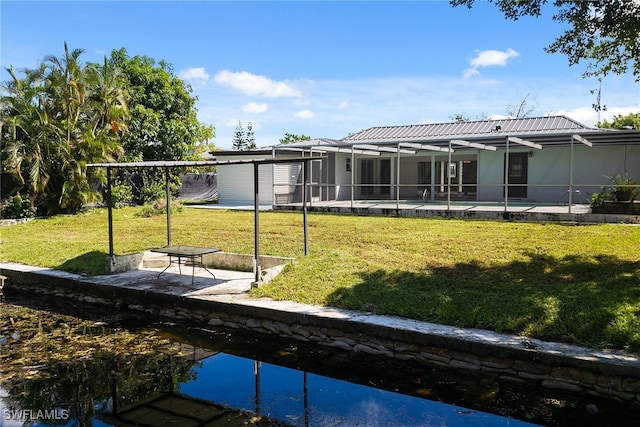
(168, 183)
(305, 165)
(256, 372)
(449, 179)
(398, 178)
(353, 168)
(110, 215)
(256, 225)
(571, 174)
(506, 176)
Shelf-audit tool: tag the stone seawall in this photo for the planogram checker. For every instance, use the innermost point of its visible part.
(532, 362)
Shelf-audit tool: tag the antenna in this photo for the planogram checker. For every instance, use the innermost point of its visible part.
(598, 105)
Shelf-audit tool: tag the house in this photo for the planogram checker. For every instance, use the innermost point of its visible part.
(539, 160)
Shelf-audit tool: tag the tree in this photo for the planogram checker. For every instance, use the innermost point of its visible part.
(460, 117)
(251, 140)
(239, 138)
(605, 32)
(243, 140)
(520, 110)
(48, 135)
(290, 137)
(163, 123)
(63, 115)
(630, 121)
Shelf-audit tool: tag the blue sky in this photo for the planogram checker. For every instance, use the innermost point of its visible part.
(325, 69)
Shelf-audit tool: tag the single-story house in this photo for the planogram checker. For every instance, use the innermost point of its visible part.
(538, 160)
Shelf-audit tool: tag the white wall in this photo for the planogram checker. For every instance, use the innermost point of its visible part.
(235, 183)
(548, 169)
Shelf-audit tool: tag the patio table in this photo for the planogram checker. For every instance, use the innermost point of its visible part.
(191, 254)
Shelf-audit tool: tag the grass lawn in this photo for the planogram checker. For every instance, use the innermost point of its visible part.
(576, 284)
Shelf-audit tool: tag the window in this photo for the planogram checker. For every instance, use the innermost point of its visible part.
(348, 164)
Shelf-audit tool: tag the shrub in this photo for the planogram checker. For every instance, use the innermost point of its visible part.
(17, 207)
(597, 199)
(159, 207)
(121, 194)
(624, 189)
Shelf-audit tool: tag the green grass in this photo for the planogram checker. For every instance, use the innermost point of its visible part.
(576, 284)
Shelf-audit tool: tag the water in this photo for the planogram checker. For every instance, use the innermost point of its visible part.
(199, 375)
(302, 399)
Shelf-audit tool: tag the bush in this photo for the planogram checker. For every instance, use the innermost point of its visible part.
(17, 207)
(121, 194)
(597, 199)
(159, 207)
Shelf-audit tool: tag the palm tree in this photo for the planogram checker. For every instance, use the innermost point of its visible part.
(33, 138)
(59, 118)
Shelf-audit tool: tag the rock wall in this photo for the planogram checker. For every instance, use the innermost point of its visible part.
(526, 364)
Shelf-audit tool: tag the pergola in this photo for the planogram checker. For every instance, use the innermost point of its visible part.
(379, 146)
(167, 166)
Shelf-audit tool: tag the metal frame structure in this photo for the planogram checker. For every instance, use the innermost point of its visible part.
(168, 165)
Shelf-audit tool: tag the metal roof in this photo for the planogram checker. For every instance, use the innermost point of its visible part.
(473, 129)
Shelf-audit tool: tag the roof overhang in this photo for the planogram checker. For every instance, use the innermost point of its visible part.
(195, 163)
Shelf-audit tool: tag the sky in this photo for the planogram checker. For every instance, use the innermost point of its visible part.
(326, 69)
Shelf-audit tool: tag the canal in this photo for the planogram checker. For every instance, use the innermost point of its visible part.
(63, 364)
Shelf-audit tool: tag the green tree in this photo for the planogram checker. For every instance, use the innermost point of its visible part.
(606, 32)
(163, 122)
(238, 142)
(291, 137)
(251, 140)
(243, 140)
(47, 137)
(460, 117)
(629, 121)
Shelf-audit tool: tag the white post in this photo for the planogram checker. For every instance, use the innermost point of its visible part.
(571, 175)
(449, 179)
(506, 176)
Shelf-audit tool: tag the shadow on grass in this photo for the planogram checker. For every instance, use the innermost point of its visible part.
(592, 301)
(92, 263)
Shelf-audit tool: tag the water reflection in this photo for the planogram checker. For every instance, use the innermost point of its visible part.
(77, 371)
(305, 399)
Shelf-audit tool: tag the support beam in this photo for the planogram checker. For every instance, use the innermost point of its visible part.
(588, 144)
(373, 147)
(305, 165)
(473, 144)
(110, 215)
(425, 147)
(524, 142)
(256, 226)
(168, 195)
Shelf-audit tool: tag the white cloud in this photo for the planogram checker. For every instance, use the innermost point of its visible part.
(256, 108)
(343, 105)
(255, 85)
(196, 75)
(588, 116)
(489, 58)
(305, 114)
